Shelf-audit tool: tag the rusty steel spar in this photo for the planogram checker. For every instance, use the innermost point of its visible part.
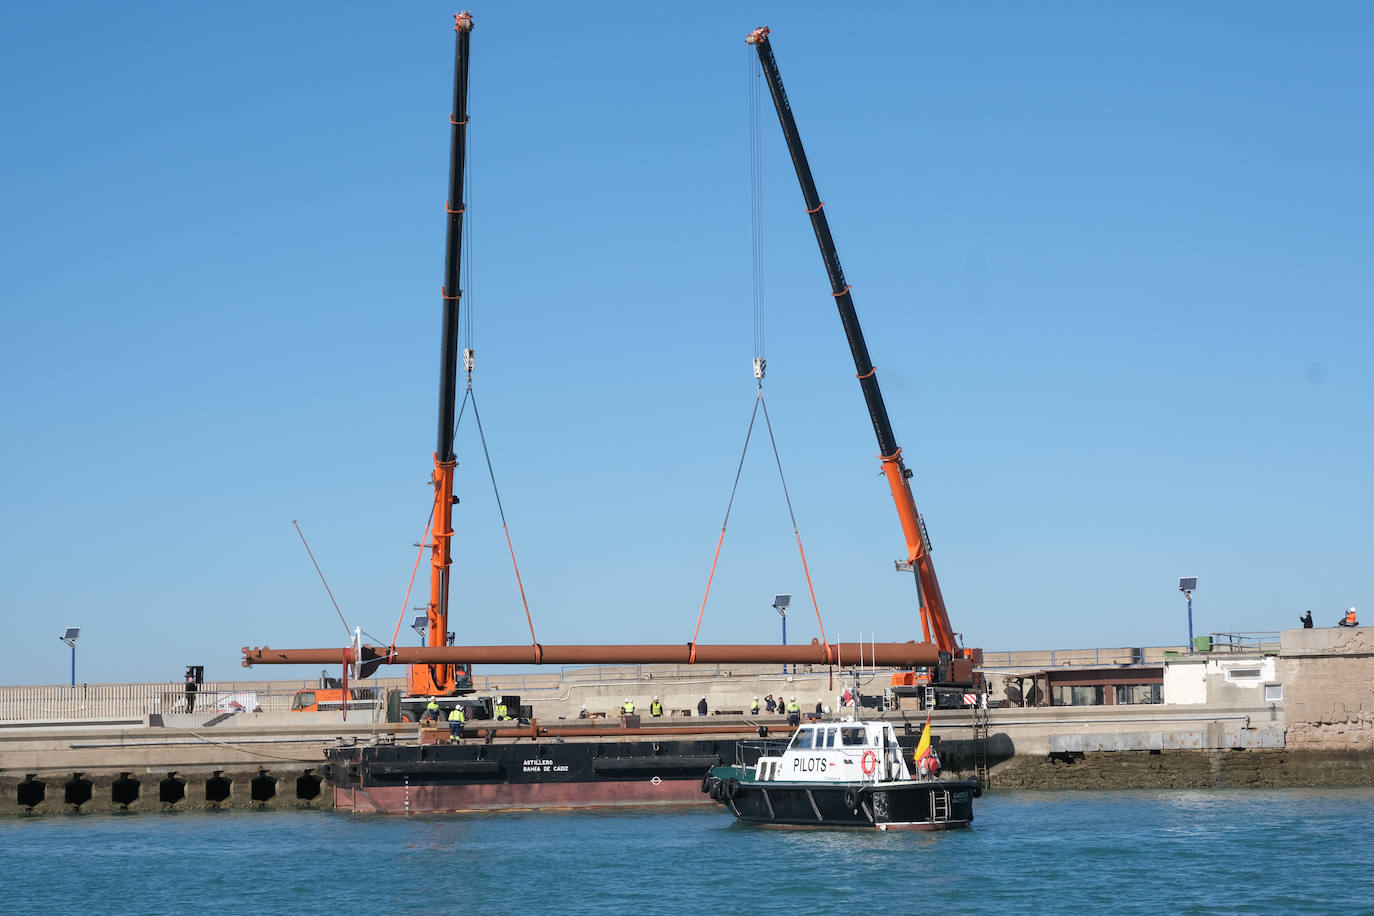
(883, 654)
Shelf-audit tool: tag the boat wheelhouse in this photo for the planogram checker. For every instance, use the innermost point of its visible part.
(843, 773)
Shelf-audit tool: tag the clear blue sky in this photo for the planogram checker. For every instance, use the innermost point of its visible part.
(1114, 266)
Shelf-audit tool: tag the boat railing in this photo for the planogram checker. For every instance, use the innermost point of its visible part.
(747, 753)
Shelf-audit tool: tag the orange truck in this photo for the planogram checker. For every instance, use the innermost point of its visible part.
(323, 699)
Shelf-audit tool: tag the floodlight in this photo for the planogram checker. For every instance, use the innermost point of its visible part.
(781, 601)
(69, 637)
(1188, 584)
(421, 624)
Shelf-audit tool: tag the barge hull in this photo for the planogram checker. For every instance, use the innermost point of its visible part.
(424, 779)
(435, 799)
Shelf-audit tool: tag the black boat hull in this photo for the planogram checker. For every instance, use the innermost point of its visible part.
(911, 805)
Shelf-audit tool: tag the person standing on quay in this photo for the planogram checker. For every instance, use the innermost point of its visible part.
(754, 707)
(793, 712)
(701, 707)
(456, 718)
(656, 709)
(1349, 619)
(1306, 620)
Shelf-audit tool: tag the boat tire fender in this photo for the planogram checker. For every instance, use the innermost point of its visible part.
(731, 787)
(851, 799)
(706, 783)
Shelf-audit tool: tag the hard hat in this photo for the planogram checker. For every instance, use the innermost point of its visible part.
(627, 699)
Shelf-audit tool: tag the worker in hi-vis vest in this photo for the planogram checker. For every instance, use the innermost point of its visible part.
(628, 707)
(455, 725)
(502, 714)
(793, 712)
(754, 706)
(656, 708)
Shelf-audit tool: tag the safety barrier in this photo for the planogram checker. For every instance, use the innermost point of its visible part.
(19, 705)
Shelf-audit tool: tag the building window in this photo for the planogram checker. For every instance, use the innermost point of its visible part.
(1138, 694)
(1273, 693)
(1242, 674)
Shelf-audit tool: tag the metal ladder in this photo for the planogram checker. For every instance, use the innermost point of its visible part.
(939, 806)
(980, 744)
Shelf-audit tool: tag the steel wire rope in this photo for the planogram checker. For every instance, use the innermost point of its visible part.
(501, 510)
(468, 299)
(754, 83)
(419, 554)
(692, 656)
(793, 515)
(320, 572)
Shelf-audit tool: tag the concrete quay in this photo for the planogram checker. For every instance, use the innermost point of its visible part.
(1300, 713)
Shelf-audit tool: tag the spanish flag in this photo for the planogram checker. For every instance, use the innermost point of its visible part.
(923, 746)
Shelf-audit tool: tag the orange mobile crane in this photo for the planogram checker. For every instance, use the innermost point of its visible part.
(447, 679)
(953, 676)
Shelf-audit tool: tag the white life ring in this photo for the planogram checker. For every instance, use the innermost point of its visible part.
(655, 781)
(870, 763)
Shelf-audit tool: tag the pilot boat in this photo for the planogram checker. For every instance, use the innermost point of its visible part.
(844, 773)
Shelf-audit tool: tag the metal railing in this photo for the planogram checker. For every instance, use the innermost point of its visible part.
(1261, 641)
(129, 701)
(1078, 658)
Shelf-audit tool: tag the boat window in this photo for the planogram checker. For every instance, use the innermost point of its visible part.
(829, 737)
(854, 736)
(801, 741)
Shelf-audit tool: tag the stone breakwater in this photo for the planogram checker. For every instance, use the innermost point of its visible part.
(1187, 769)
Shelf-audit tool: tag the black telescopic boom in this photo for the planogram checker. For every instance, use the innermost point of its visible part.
(868, 379)
(453, 255)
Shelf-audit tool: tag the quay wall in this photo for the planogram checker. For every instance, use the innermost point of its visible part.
(1308, 720)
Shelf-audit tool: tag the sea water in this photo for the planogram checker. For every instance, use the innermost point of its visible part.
(1219, 851)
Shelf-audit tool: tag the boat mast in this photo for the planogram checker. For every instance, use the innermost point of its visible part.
(440, 678)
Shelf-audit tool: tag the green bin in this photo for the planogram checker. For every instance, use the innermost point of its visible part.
(1202, 644)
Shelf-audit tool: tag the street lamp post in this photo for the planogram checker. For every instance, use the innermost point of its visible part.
(1188, 585)
(70, 638)
(780, 603)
